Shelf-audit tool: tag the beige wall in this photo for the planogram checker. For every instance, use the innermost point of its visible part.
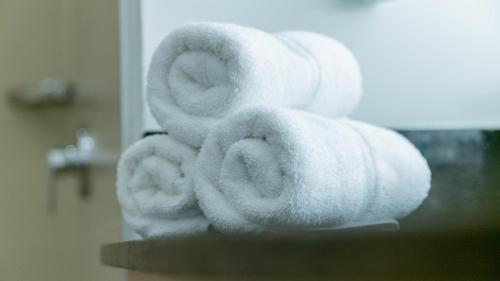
(76, 40)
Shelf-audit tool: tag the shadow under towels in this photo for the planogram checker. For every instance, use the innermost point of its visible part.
(267, 169)
(155, 188)
(203, 71)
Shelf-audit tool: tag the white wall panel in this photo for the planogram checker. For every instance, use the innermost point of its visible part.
(425, 63)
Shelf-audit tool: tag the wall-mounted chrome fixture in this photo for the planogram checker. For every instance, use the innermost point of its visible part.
(46, 93)
(359, 3)
(75, 158)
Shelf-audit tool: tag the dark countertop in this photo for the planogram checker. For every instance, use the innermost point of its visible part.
(452, 255)
(454, 235)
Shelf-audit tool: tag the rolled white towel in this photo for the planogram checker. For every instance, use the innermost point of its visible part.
(268, 169)
(203, 71)
(155, 188)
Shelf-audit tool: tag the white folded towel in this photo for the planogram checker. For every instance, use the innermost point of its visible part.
(274, 168)
(155, 188)
(204, 71)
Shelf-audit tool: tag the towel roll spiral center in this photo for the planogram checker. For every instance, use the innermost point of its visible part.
(252, 178)
(200, 84)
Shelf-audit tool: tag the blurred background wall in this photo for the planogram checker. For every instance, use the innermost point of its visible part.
(426, 63)
(76, 40)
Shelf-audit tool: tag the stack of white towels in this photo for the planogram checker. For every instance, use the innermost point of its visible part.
(258, 140)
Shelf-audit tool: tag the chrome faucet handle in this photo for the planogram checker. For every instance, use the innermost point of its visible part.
(77, 158)
(84, 140)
